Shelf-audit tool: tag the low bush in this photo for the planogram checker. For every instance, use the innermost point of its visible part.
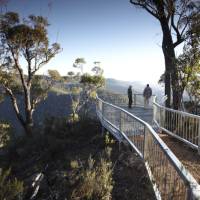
(10, 188)
(95, 180)
(4, 133)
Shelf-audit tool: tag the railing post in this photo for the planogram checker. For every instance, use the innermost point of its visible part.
(102, 112)
(161, 117)
(144, 144)
(135, 99)
(120, 120)
(154, 113)
(120, 127)
(199, 138)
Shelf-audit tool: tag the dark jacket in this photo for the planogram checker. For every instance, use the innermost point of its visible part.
(147, 93)
(129, 92)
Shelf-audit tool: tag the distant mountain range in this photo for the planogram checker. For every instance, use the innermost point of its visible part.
(118, 86)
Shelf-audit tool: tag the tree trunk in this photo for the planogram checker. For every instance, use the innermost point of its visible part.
(171, 76)
(28, 111)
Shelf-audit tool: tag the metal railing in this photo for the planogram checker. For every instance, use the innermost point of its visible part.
(122, 99)
(181, 125)
(169, 177)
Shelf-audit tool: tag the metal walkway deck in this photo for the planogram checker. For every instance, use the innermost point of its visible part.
(146, 114)
(169, 177)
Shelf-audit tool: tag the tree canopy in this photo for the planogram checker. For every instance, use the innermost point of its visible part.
(79, 63)
(24, 41)
(175, 18)
(54, 74)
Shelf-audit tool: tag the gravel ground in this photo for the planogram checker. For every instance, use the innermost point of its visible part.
(188, 156)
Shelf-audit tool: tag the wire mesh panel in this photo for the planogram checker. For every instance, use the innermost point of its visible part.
(181, 124)
(169, 183)
(112, 114)
(133, 129)
(171, 180)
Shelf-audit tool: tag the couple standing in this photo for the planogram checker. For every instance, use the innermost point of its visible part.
(147, 93)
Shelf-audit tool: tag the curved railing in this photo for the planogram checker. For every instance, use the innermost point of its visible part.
(122, 99)
(169, 177)
(181, 125)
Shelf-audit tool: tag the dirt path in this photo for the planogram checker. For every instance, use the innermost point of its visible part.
(188, 156)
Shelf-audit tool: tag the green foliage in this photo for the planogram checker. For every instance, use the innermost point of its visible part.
(40, 88)
(10, 79)
(1, 98)
(79, 62)
(108, 139)
(83, 95)
(10, 189)
(97, 69)
(4, 133)
(74, 164)
(188, 63)
(73, 117)
(96, 80)
(176, 19)
(71, 77)
(24, 40)
(70, 73)
(55, 75)
(95, 181)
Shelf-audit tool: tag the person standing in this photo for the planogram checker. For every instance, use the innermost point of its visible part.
(147, 93)
(130, 99)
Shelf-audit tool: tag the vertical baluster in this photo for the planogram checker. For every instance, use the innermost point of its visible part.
(143, 145)
(120, 120)
(183, 125)
(102, 110)
(199, 138)
(167, 125)
(186, 128)
(178, 130)
(134, 99)
(196, 130)
(193, 130)
(160, 117)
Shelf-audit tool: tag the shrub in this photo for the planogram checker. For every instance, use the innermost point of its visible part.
(95, 181)
(4, 133)
(10, 189)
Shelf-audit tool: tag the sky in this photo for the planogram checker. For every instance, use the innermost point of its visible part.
(126, 40)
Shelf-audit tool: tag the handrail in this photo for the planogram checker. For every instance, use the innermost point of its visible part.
(158, 158)
(138, 99)
(181, 125)
(176, 111)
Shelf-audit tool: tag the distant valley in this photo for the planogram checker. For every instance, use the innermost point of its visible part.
(118, 86)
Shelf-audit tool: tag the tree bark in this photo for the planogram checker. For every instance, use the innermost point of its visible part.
(28, 111)
(171, 75)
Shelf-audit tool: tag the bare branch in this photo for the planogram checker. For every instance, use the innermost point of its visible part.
(179, 38)
(147, 7)
(14, 103)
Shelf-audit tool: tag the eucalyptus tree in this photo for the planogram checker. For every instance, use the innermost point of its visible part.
(97, 68)
(54, 74)
(174, 17)
(24, 49)
(79, 63)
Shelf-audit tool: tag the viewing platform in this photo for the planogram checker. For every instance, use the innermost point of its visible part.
(142, 128)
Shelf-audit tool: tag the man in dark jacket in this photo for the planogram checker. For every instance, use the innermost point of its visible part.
(147, 93)
(130, 99)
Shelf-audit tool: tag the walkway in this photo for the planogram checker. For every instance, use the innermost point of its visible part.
(186, 155)
(170, 178)
(146, 114)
